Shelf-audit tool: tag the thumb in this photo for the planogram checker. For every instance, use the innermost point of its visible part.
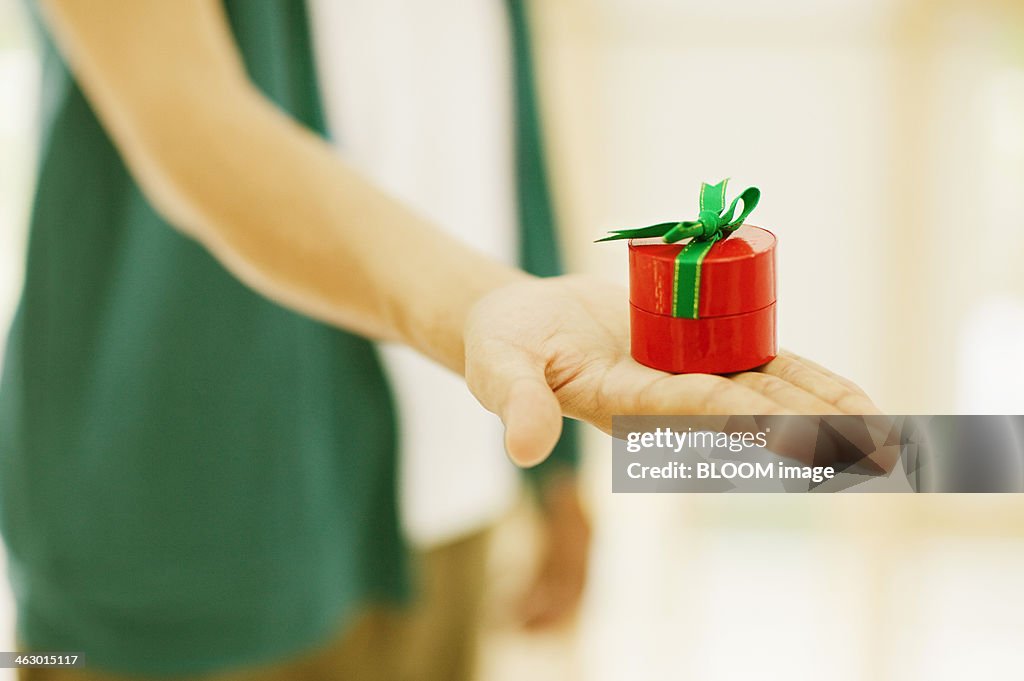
(511, 383)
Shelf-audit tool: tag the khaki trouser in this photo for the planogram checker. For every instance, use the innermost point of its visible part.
(433, 640)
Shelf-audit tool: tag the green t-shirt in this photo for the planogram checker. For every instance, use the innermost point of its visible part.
(192, 476)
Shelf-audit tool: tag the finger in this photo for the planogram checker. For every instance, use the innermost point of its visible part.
(511, 383)
(533, 420)
(822, 370)
(822, 385)
(867, 434)
(703, 394)
(785, 393)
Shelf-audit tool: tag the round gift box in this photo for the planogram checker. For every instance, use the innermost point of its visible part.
(735, 325)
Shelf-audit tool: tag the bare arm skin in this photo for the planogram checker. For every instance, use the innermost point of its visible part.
(267, 197)
(280, 210)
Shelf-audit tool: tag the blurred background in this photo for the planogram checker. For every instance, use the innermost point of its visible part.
(888, 139)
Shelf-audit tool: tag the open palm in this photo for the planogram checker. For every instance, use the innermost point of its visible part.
(540, 349)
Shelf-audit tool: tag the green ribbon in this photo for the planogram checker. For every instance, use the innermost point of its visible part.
(713, 223)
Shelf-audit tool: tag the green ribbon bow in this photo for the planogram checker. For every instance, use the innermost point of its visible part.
(713, 223)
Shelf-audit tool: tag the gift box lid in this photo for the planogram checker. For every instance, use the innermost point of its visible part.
(737, 275)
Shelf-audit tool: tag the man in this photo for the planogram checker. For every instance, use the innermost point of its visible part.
(196, 438)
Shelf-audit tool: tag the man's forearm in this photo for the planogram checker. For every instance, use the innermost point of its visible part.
(296, 223)
(269, 199)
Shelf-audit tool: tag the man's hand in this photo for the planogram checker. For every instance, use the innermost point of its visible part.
(541, 348)
(555, 591)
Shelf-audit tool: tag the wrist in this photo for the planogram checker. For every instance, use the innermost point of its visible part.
(431, 316)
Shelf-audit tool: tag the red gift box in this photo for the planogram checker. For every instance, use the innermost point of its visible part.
(734, 325)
